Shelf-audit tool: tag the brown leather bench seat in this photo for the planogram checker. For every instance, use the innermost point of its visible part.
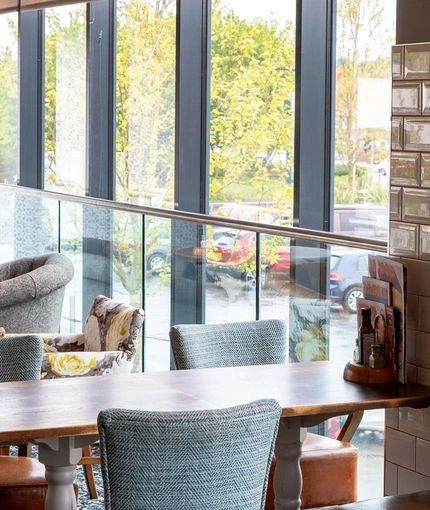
(22, 483)
(415, 501)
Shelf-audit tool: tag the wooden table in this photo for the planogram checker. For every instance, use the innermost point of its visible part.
(61, 414)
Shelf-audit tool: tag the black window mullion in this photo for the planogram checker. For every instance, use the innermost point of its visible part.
(101, 69)
(191, 155)
(100, 150)
(31, 98)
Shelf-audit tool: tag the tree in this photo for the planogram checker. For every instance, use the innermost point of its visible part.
(363, 41)
(9, 134)
(252, 94)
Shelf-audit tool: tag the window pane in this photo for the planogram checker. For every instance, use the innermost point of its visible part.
(9, 118)
(252, 108)
(65, 99)
(365, 33)
(145, 103)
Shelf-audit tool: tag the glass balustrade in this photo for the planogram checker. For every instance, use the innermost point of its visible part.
(182, 271)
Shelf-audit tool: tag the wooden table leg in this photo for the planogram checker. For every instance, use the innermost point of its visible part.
(60, 456)
(287, 479)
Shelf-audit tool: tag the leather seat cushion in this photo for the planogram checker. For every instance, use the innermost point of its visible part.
(22, 483)
(329, 471)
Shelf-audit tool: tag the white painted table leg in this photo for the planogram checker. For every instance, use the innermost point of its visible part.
(60, 456)
(60, 493)
(287, 479)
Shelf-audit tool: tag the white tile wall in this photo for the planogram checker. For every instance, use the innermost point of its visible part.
(407, 448)
(400, 448)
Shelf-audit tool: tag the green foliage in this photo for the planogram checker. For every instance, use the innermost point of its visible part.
(360, 24)
(9, 135)
(252, 85)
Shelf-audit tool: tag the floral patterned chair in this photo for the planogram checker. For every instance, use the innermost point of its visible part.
(106, 347)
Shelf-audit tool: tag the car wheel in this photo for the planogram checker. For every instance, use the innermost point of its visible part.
(155, 262)
(349, 302)
(251, 279)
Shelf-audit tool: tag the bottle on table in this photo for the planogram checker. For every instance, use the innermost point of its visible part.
(366, 336)
(377, 359)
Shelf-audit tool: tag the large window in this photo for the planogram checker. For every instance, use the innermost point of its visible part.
(9, 124)
(252, 109)
(65, 99)
(365, 33)
(145, 101)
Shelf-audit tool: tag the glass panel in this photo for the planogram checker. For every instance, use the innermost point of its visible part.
(9, 117)
(365, 33)
(158, 233)
(145, 103)
(65, 99)
(252, 110)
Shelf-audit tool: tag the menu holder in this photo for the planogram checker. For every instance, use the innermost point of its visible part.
(367, 375)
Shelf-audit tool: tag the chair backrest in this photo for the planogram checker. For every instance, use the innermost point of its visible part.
(261, 342)
(20, 357)
(32, 293)
(112, 326)
(211, 459)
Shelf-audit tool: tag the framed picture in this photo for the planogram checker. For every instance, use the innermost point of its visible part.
(417, 133)
(425, 98)
(405, 169)
(397, 60)
(425, 170)
(395, 203)
(424, 243)
(416, 205)
(406, 98)
(417, 61)
(403, 239)
(396, 133)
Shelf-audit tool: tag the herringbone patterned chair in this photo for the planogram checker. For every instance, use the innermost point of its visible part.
(200, 460)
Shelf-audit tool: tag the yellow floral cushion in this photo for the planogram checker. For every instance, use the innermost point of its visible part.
(84, 364)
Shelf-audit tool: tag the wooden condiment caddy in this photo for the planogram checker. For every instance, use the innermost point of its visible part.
(367, 375)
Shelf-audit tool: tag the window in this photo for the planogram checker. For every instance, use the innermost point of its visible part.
(65, 99)
(365, 33)
(252, 105)
(145, 101)
(9, 118)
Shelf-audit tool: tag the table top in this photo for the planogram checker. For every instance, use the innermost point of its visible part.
(65, 407)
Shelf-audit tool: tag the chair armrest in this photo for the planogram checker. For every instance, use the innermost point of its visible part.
(63, 342)
(84, 364)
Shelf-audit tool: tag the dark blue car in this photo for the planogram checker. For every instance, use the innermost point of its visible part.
(347, 266)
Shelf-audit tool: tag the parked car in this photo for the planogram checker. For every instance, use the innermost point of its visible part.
(346, 270)
(158, 245)
(234, 251)
(364, 220)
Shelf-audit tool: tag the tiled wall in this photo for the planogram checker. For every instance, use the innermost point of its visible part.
(407, 445)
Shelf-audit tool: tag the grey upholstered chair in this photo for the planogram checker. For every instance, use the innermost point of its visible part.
(265, 342)
(32, 293)
(20, 357)
(229, 345)
(22, 479)
(200, 460)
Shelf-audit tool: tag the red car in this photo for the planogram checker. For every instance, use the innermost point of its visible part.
(234, 252)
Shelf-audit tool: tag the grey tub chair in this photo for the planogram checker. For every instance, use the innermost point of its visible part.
(32, 293)
(182, 460)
